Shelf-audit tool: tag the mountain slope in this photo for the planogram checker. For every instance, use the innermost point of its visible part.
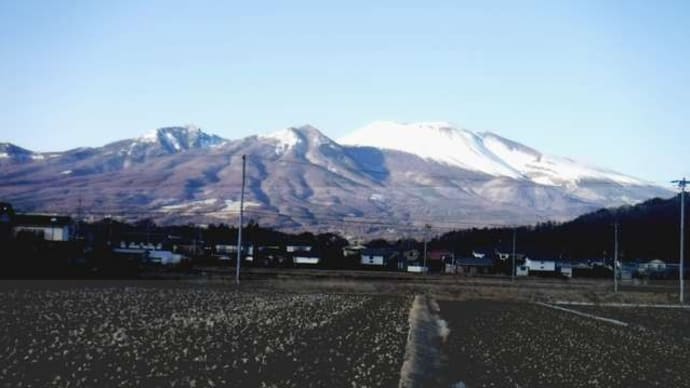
(300, 178)
(482, 152)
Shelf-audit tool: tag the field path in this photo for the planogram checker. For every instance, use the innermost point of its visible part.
(422, 352)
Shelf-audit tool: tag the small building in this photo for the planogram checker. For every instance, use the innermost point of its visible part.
(306, 259)
(654, 265)
(474, 265)
(377, 256)
(298, 248)
(224, 249)
(442, 255)
(353, 250)
(47, 227)
(164, 257)
(566, 270)
(540, 265)
(411, 255)
(417, 268)
(521, 271)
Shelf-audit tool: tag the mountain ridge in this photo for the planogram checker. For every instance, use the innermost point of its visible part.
(301, 178)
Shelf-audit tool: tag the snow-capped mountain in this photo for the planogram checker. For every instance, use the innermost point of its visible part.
(485, 152)
(384, 177)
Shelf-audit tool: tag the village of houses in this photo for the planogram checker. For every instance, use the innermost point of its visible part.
(170, 251)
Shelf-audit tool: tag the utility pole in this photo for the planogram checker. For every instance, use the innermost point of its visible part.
(239, 227)
(77, 230)
(682, 183)
(512, 274)
(426, 237)
(615, 256)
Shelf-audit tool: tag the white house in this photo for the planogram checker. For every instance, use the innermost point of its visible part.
(521, 270)
(303, 259)
(164, 257)
(540, 265)
(376, 257)
(298, 248)
(230, 249)
(566, 271)
(417, 268)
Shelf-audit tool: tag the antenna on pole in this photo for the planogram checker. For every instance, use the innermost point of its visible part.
(239, 227)
(681, 184)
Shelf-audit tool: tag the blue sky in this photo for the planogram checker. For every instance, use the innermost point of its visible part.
(601, 81)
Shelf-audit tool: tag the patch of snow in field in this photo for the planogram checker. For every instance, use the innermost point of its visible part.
(66, 172)
(37, 157)
(4, 155)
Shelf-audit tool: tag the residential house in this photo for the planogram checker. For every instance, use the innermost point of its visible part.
(308, 259)
(298, 248)
(47, 227)
(542, 266)
(474, 265)
(378, 257)
(437, 259)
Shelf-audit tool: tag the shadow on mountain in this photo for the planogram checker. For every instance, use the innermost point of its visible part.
(371, 161)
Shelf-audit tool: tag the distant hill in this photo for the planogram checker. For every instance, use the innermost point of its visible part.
(649, 230)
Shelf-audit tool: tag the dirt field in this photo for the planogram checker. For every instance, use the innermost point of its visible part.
(523, 344)
(298, 330)
(666, 322)
(198, 336)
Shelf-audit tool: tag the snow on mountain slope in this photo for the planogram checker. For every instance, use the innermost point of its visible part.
(548, 169)
(12, 153)
(438, 141)
(176, 139)
(483, 152)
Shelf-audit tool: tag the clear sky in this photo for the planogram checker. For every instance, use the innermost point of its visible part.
(607, 82)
